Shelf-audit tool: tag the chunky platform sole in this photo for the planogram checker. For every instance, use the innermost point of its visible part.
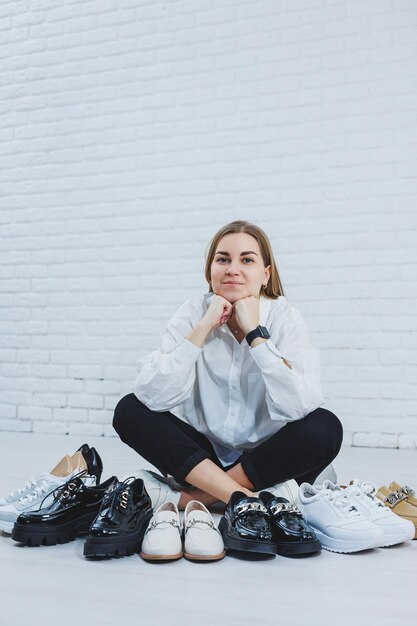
(244, 545)
(6, 527)
(347, 546)
(115, 546)
(298, 549)
(42, 535)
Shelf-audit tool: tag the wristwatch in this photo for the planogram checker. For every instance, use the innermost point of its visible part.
(260, 331)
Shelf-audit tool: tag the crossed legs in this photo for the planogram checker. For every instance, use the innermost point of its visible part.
(300, 450)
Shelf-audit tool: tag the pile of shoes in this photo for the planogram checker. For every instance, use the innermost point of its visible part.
(139, 514)
(38, 491)
(70, 502)
(351, 518)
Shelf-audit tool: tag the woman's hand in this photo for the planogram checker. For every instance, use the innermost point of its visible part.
(218, 313)
(247, 313)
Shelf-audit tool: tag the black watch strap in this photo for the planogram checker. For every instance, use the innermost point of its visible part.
(259, 331)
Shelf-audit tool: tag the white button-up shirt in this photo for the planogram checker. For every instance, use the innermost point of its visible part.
(235, 395)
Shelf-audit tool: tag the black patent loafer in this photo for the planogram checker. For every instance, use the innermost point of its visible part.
(121, 523)
(245, 525)
(73, 509)
(292, 534)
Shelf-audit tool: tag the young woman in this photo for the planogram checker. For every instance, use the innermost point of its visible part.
(231, 401)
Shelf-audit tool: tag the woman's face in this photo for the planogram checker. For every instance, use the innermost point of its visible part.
(238, 258)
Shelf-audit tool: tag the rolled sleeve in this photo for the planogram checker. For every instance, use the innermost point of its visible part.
(166, 377)
(291, 393)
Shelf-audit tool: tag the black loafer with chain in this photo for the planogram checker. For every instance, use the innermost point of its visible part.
(121, 523)
(292, 535)
(246, 526)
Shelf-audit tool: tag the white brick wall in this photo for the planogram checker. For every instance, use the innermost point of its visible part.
(131, 131)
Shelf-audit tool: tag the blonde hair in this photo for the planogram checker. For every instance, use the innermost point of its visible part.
(274, 287)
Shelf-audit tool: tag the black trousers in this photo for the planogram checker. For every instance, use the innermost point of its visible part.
(300, 450)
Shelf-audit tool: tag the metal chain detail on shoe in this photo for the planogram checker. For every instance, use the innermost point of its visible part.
(153, 524)
(191, 522)
(408, 491)
(251, 506)
(284, 506)
(394, 498)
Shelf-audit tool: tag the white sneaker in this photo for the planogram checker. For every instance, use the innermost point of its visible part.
(202, 538)
(396, 529)
(157, 488)
(338, 524)
(38, 491)
(66, 466)
(163, 536)
(288, 489)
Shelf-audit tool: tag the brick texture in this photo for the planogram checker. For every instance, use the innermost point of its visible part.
(131, 131)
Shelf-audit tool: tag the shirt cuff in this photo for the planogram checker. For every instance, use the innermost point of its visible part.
(187, 352)
(267, 356)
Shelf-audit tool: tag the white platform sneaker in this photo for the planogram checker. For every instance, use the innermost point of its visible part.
(163, 537)
(158, 488)
(62, 469)
(202, 538)
(396, 529)
(288, 489)
(338, 524)
(37, 490)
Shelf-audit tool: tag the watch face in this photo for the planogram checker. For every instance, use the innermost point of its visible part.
(264, 332)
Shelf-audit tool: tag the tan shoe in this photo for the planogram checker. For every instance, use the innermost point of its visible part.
(69, 464)
(411, 499)
(397, 501)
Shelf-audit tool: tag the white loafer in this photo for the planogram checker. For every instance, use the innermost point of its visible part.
(202, 538)
(163, 537)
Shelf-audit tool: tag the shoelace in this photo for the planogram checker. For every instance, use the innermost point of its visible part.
(366, 491)
(37, 491)
(118, 496)
(341, 501)
(20, 493)
(63, 491)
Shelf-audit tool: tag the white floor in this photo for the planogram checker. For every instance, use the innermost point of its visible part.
(57, 585)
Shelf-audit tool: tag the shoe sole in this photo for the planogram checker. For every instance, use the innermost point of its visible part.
(38, 535)
(204, 557)
(6, 527)
(298, 549)
(160, 558)
(244, 545)
(125, 545)
(345, 546)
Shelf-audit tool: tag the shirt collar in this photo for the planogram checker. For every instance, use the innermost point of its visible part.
(264, 307)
